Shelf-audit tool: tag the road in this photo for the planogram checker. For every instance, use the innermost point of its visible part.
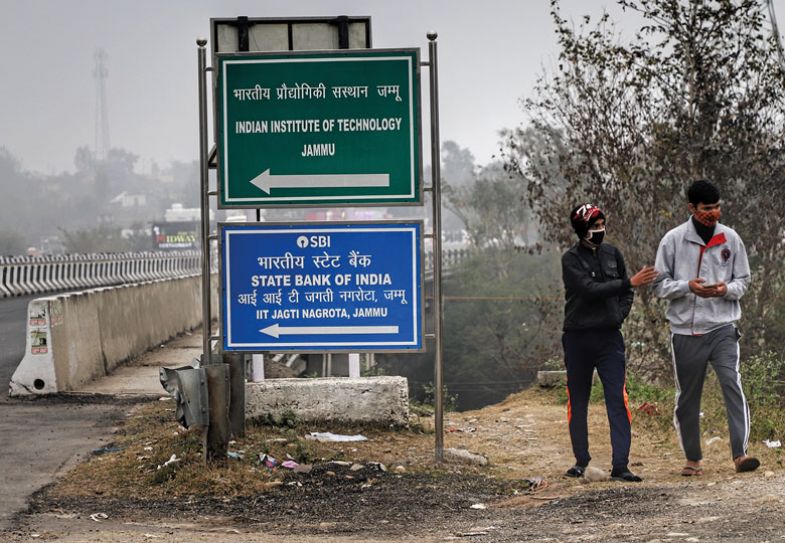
(12, 338)
(40, 437)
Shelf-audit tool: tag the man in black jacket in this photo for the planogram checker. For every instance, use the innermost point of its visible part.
(598, 298)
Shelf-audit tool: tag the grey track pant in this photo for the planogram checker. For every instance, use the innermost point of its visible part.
(690, 357)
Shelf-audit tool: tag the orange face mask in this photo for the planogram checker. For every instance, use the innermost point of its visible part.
(708, 218)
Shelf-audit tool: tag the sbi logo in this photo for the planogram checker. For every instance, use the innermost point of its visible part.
(319, 242)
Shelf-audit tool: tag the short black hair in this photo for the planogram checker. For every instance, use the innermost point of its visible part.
(703, 192)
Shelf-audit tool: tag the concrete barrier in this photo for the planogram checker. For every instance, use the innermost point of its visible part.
(382, 400)
(76, 337)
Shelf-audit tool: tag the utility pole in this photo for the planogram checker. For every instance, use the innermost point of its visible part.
(100, 73)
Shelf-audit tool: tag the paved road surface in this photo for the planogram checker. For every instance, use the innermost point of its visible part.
(39, 438)
(12, 338)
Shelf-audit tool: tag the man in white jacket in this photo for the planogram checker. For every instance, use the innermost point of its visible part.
(704, 272)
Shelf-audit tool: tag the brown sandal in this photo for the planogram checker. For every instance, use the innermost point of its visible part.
(691, 471)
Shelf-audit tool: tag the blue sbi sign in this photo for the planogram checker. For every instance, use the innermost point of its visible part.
(343, 287)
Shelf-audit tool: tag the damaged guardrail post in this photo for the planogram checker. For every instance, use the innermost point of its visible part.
(202, 399)
(218, 432)
(188, 386)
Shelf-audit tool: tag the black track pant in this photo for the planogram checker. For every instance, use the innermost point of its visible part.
(604, 350)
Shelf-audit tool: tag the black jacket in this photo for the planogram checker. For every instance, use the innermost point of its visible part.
(598, 295)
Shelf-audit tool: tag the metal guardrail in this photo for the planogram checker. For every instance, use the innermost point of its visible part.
(23, 275)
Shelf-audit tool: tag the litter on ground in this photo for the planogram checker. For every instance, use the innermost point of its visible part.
(172, 460)
(329, 436)
(268, 460)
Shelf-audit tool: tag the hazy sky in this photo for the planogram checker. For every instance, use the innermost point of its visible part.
(490, 54)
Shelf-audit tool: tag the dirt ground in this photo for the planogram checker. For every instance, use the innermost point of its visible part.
(520, 495)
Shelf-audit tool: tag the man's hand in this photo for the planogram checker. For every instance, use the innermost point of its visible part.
(716, 290)
(646, 275)
(719, 289)
(722, 289)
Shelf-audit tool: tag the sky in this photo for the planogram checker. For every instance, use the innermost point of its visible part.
(490, 55)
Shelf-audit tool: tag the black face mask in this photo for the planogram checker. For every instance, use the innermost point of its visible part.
(596, 237)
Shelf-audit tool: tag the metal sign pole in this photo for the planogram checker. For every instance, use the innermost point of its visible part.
(205, 203)
(436, 198)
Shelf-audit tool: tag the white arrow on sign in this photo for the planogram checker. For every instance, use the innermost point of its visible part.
(267, 181)
(276, 330)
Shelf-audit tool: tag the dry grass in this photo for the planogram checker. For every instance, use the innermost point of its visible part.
(151, 436)
(523, 437)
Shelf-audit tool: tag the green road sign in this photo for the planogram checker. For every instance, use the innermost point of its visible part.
(319, 128)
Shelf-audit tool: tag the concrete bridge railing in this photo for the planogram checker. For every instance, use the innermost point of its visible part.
(23, 275)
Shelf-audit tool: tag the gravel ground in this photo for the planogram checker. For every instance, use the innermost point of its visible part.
(523, 437)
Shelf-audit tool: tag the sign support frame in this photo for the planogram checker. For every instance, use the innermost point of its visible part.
(435, 189)
(205, 202)
(438, 297)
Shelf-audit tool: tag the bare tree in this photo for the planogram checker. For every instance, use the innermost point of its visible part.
(698, 92)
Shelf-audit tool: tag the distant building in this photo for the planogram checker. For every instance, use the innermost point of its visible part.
(178, 213)
(126, 200)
